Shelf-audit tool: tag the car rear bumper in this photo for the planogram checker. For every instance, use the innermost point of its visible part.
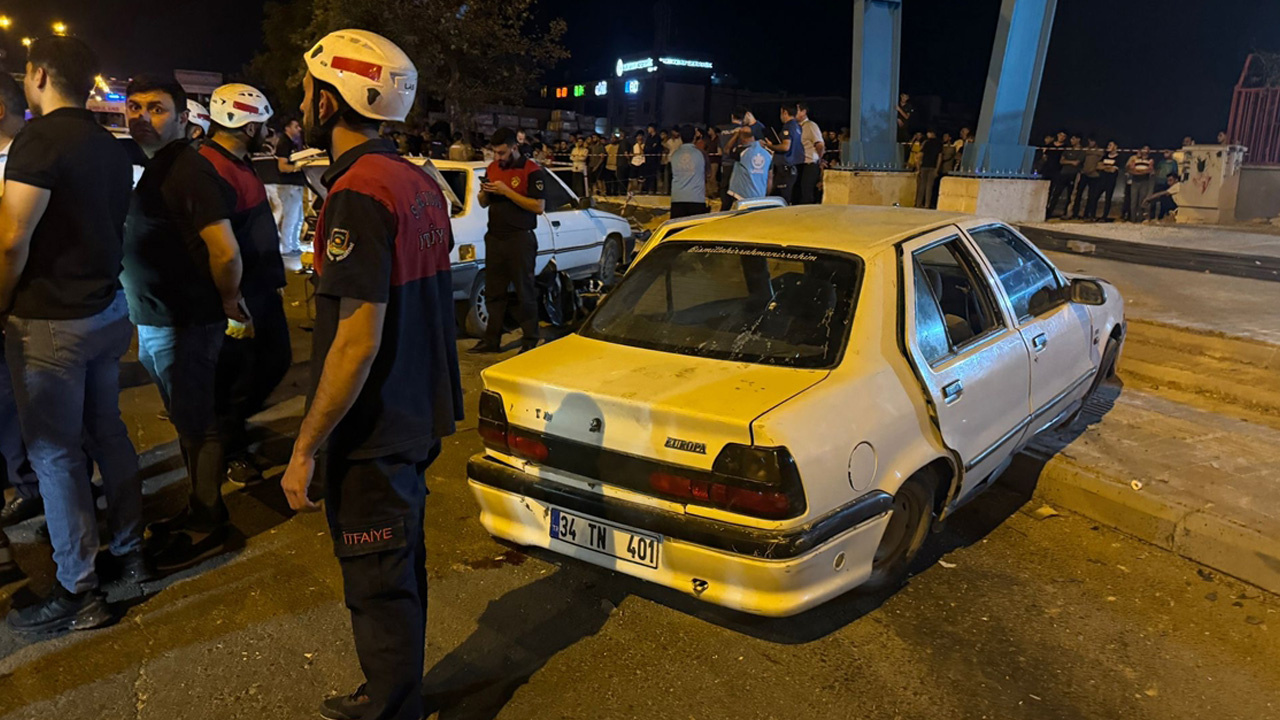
(763, 572)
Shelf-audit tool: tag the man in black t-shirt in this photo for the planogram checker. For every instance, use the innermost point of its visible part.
(927, 175)
(289, 187)
(61, 220)
(182, 272)
(513, 191)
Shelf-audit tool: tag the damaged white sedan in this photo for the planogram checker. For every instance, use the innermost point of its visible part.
(773, 408)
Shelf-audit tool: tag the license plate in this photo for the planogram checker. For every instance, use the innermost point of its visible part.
(605, 538)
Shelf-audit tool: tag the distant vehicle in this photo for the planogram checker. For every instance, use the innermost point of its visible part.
(773, 408)
(581, 241)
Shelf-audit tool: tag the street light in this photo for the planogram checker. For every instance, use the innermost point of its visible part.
(26, 42)
(59, 28)
(5, 22)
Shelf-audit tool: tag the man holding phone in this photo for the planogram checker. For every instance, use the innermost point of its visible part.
(513, 191)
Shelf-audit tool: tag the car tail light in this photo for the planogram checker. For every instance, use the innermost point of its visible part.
(493, 421)
(498, 435)
(761, 482)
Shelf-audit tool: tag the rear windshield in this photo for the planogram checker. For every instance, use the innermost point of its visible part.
(748, 303)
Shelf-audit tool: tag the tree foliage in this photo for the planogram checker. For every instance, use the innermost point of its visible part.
(468, 54)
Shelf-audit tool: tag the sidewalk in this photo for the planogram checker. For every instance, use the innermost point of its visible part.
(1244, 239)
(1197, 483)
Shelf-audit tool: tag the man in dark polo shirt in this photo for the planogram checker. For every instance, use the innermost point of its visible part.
(62, 215)
(182, 273)
(290, 185)
(255, 357)
(385, 382)
(513, 191)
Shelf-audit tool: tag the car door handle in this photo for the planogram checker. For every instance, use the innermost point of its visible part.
(555, 223)
(1039, 342)
(952, 392)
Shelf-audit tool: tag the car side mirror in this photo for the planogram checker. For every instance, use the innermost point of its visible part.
(586, 203)
(1087, 292)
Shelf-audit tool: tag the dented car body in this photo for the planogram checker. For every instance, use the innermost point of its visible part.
(772, 408)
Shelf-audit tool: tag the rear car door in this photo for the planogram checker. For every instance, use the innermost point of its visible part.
(972, 362)
(577, 240)
(1058, 333)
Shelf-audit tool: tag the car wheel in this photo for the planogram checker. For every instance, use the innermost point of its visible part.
(610, 257)
(1106, 371)
(476, 314)
(904, 535)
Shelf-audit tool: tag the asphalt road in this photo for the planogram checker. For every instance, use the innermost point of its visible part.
(1008, 616)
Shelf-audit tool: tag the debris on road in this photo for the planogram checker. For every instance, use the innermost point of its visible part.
(1136, 484)
(1045, 512)
(946, 564)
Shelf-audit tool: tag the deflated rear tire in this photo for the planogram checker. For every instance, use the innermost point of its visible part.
(904, 535)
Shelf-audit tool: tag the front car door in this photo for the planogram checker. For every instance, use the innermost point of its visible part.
(1058, 333)
(577, 240)
(972, 362)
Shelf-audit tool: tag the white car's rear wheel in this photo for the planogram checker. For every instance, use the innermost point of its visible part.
(904, 535)
(475, 314)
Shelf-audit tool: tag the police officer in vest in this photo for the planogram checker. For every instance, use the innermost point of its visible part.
(385, 384)
(513, 191)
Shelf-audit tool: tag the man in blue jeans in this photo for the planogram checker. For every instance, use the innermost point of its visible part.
(182, 272)
(61, 221)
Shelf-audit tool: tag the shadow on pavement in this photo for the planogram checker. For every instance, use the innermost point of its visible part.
(516, 635)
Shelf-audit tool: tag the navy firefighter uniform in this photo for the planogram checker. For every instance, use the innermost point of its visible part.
(384, 236)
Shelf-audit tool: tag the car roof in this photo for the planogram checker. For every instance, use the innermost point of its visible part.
(851, 228)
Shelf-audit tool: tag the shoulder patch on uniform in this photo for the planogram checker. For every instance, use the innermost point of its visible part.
(339, 245)
(538, 184)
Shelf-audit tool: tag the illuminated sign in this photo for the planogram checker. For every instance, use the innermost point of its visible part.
(633, 87)
(649, 65)
(562, 92)
(685, 63)
(626, 67)
(602, 88)
(579, 90)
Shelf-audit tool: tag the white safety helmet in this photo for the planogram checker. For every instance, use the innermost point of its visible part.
(236, 105)
(372, 74)
(197, 115)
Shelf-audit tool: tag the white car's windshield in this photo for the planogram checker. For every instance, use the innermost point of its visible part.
(749, 303)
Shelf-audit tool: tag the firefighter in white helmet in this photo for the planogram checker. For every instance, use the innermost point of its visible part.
(385, 385)
(255, 356)
(197, 120)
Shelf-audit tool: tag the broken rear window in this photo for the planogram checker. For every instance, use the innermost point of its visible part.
(748, 303)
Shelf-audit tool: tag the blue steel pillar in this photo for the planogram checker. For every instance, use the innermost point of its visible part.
(1013, 86)
(877, 34)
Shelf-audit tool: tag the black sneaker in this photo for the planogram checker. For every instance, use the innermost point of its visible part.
(135, 568)
(527, 345)
(345, 707)
(21, 509)
(62, 610)
(242, 473)
(42, 534)
(186, 548)
(483, 347)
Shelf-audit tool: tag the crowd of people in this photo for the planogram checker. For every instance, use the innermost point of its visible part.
(648, 160)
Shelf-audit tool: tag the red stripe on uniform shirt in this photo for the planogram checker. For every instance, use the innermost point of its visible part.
(373, 71)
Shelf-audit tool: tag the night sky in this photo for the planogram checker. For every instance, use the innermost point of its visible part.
(1136, 70)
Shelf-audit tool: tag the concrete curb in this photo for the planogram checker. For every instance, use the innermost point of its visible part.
(1194, 532)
